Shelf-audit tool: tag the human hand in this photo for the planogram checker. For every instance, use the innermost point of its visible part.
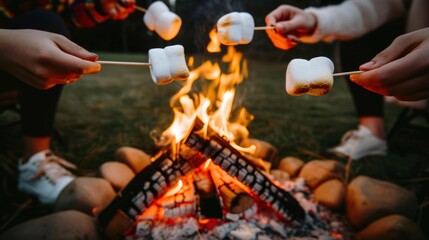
(118, 9)
(401, 70)
(289, 20)
(42, 59)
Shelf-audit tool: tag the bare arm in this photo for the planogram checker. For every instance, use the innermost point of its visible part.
(43, 59)
(351, 19)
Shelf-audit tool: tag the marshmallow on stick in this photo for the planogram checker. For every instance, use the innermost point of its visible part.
(160, 19)
(235, 28)
(165, 64)
(168, 64)
(314, 77)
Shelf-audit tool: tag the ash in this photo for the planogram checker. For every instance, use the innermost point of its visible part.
(183, 220)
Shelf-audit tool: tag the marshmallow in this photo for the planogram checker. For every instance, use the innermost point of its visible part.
(312, 77)
(236, 28)
(168, 25)
(153, 12)
(168, 64)
(160, 19)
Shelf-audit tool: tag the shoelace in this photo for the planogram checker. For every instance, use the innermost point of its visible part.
(53, 167)
(352, 134)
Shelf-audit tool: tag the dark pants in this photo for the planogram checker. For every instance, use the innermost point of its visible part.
(38, 107)
(356, 52)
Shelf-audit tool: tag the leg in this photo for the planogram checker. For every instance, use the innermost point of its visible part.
(38, 116)
(369, 138)
(40, 172)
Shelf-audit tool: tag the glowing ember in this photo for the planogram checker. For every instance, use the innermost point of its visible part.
(175, 189)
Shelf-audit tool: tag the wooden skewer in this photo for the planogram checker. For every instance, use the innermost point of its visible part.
(290, 37)
(264, 28)
(140, 9)
(124, 63)
(346, 73)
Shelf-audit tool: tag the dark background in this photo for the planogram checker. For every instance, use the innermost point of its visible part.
(198, 18)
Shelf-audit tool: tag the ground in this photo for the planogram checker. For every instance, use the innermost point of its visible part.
(120, 106)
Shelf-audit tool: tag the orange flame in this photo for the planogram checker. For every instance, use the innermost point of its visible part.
(214, 104)
(214, 44)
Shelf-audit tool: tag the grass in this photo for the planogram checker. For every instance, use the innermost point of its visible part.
(121, 105)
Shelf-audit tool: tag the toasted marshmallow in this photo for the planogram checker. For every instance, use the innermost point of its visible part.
(176, 57)
(153, 12)
(160, 19)
(236, 28)
(312, 77)
(168, 25)
(168, 64)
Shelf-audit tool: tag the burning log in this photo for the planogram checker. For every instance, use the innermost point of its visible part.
(181, 202)
(213, 146)
(236, 199)
(150, 184)
(209, 204)
(165, 171)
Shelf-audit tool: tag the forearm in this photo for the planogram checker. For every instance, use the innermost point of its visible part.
(352, 19)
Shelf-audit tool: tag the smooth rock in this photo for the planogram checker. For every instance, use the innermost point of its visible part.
(133, 157)
(291, 165)
(318, 171)
(85, 194)
(392, 227)
(331, 194)
(67, 225)
(117, 173)
(369, 199)
(264, 150)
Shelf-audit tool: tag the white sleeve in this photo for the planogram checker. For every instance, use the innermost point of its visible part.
(352, 19)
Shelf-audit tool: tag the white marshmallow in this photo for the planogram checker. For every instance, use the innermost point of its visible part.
(176, 57)
(153, 12)
(312, 77)
(168, 64)
(247, 28)
(168, 25)
(160, 67)
(160, 19)
(236, 28)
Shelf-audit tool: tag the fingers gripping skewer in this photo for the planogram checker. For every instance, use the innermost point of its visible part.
(238, 27)
(166, 64)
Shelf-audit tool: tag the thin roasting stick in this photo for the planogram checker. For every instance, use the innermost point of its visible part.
(140, 8)
(346, 73)
(264, 28)
(124, 63)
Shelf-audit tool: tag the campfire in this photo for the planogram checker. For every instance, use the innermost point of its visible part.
(204, 184)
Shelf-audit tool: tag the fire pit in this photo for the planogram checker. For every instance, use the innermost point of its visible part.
(209, 189)
(203, 184)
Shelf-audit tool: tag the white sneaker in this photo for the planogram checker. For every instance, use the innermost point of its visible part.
(43, 176)
(359, 143)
